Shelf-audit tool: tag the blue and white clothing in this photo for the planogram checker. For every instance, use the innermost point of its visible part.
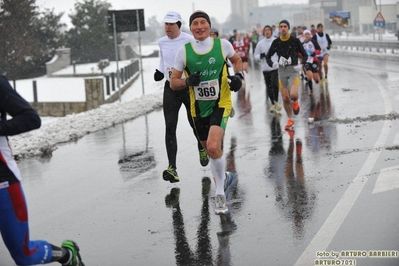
(14, 225)
(310, 48)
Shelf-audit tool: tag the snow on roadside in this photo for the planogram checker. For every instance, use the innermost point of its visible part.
(43, 141)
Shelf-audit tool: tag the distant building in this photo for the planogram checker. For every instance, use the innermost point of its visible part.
(243, 8)
(362, 15)
(296, 14)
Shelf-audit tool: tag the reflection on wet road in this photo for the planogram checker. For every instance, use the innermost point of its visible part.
(288, 188)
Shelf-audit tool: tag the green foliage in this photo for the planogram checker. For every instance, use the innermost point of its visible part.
(89, 39)
(28, 38)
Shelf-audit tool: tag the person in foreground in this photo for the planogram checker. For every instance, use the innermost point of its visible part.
(172, 100)
(203, 62)
(14, 225)
(287, 48)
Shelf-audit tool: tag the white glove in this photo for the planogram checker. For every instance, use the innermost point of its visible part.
(275, 65)
(285, 62)
(298, 67)
(282, 61)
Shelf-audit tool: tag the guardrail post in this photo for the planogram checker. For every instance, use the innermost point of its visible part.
(113, 81)
(107, 84)
(34, 91)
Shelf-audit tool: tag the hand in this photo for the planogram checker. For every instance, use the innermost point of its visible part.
(275, 65)
(298, 67)
(328, 47)
(194, 79)
(158, 75)
(262, 55)
(236, 81)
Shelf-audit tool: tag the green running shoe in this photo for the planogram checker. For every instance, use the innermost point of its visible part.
(170, 175)
(76, 260)
(204, 160)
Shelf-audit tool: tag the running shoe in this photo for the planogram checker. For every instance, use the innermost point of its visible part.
(272, 108)
(227, 183)
(204, 160)
(170, 175)
(277, 106)
(220, 205)
(295, 107)
(325, 80)
(172, 199)
(232, 112)
(290, 125)
(73, 248)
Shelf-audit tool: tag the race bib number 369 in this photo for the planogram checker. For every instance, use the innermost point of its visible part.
(207, 90)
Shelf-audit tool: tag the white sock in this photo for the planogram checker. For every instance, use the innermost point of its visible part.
(218, 167)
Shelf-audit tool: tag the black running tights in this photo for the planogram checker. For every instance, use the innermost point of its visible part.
(172, 101)
(271, 80)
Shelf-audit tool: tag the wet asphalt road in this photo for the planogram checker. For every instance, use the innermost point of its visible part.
(332, 187)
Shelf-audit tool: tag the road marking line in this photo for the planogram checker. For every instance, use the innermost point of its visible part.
(328, 230)
(387, 180)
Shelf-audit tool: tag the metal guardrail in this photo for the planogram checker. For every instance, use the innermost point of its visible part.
(367, 46)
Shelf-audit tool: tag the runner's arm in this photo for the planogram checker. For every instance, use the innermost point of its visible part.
(234, 58)
(237, 63)
(302, 51)
(24, 117)
(176, 80)
(257, 53)
(329, 41)
(271, 52)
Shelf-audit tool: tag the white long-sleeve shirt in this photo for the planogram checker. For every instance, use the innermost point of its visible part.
(168, 49)
(263, 46)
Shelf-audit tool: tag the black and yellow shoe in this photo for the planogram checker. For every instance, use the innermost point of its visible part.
(204, 160)
(170, 175)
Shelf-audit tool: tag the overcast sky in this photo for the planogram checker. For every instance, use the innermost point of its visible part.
(219, 9)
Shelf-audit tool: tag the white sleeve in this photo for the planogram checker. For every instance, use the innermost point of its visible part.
(227, 48)
(180, 61)
(257, 51)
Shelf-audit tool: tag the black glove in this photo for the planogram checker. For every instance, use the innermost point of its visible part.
(236, 81)
(194, 79)
(158, 75)
(262, 55)
(328, 47)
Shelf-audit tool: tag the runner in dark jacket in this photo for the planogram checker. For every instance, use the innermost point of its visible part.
(14, 226)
